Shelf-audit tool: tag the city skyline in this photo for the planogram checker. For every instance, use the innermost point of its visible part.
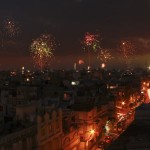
(68, 21)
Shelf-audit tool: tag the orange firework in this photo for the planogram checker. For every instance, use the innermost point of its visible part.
(11, 28)
(127, 48)
(81, 62)
(104, 55)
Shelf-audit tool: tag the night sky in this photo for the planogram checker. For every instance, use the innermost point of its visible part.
(68, 21)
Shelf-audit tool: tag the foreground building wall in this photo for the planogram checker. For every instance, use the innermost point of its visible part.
(50, 130)
(70, 140)
(22, 140)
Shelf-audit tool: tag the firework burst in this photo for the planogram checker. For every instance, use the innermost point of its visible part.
(90, 43)
(11, 28)
(104, 55)
(127, 49)
(42, 50)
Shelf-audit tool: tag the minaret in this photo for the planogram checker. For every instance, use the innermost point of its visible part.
(75, 66)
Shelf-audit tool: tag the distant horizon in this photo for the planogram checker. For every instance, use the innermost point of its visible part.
(67, 63)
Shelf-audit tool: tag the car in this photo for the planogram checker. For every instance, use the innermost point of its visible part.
(120, 129)
(100, 146)
(115, 128)
(108, 139)
(99, 149)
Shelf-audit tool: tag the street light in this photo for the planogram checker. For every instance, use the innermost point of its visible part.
(90, 137)
(92, 131)
(123, 103)
(103, 65)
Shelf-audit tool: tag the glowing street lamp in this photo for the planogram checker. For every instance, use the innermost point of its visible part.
(123, 103)
(90, 137)
(92, 131)
(103, 65)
